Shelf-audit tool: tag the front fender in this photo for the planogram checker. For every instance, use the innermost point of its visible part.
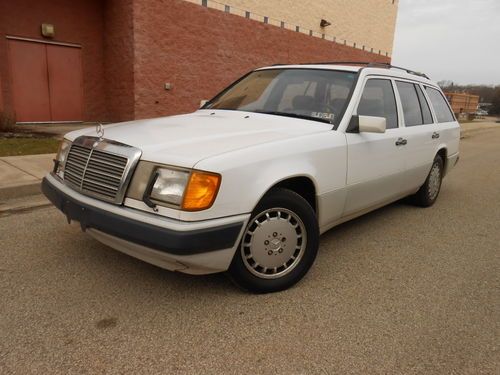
(247, 174)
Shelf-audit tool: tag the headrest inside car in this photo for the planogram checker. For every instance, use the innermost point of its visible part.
(303, 102)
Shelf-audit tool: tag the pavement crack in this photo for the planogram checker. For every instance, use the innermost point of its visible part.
(21, 169)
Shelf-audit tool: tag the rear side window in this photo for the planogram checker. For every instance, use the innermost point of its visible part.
(441, 108)
(426, 111)
(378, 100)
(411, 104)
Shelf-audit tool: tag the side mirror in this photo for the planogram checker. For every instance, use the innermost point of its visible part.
(372, 124)
(203, 102)
(367, 124)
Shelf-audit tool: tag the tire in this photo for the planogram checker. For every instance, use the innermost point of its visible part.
(428, 193)
(278, 251)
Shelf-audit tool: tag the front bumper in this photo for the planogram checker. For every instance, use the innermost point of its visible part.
(197, 247)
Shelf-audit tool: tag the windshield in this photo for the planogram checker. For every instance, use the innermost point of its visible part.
(314, 94)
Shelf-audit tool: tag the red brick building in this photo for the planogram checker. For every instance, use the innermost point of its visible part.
(110, 60)
(462, 102)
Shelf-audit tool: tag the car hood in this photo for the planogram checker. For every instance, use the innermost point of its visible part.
(184, 140)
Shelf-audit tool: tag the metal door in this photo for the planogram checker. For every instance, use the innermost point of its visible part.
(46, 81)
(65, 83)
(30, 86)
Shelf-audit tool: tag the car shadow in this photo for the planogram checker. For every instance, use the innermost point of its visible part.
(110, 260)
(353, 226)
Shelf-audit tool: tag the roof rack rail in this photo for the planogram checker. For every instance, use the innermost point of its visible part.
(330, 63)
(409, 71)
(369, 64)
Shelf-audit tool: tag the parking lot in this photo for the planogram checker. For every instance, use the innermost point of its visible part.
(400, 290)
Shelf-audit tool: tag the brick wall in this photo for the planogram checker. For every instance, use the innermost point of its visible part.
(76, 21)
(201, 50)
(131, 48)
(119, 59)
(462, 102)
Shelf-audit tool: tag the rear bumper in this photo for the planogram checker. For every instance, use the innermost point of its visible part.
(172, 244)
(451, 162)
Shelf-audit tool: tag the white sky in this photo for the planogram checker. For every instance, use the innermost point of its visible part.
(457, 40)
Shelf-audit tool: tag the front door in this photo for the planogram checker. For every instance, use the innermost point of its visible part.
(375, 162)
(46, 81)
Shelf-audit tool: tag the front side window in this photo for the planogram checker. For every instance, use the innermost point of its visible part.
(314, 94)
(441, 108)
(410, 103)
(378, 100)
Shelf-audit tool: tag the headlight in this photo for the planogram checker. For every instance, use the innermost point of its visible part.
(189, 190)
(61, 157)
(169, 185)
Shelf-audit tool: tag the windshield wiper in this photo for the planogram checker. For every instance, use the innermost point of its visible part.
(295, 115)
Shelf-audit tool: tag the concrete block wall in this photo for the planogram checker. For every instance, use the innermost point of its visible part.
(362, 22)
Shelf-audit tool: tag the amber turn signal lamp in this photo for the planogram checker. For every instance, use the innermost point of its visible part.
(201, 191)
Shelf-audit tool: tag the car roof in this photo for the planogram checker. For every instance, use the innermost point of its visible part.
(387, 71)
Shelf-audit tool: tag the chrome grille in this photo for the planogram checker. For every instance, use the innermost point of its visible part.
(94, 170)
(74, 169)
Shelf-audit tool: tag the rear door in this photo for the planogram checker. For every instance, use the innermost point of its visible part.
(375, 165)
(447, 126)
(420, 132)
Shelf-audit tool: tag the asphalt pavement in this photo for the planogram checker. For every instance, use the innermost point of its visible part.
(402, 290)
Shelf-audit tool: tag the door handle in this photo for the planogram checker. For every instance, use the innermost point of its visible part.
(401, 142)
(435, 135)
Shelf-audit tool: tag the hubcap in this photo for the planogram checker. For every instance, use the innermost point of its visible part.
(434, 181)
(273, 243)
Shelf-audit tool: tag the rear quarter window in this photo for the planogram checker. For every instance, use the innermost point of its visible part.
(440, 105)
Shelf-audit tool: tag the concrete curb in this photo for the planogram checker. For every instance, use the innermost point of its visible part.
(21, 176)
(20, 190)
(23, 204)
(469, 132)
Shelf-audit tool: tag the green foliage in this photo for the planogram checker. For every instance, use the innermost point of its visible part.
(28, 146)
(495, 102)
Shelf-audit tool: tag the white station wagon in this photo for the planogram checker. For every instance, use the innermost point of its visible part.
(248, 183)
